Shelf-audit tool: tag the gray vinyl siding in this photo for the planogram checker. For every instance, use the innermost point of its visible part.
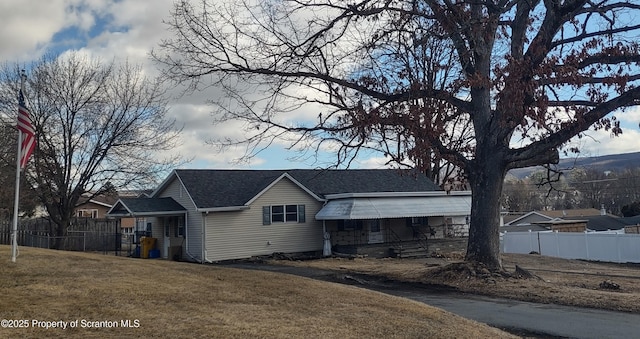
(192, 248)
(157, 230)
(241, 234)
(160, 226)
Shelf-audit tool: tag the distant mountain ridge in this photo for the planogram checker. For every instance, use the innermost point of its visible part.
(612, 162)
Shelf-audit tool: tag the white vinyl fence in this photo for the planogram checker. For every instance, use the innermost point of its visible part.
(597, 246)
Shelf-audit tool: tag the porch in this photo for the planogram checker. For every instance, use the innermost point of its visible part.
(161, 219)
(412, 237)
(398, 224)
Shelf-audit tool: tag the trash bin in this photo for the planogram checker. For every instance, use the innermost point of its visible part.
(155, 253)
(147, 244)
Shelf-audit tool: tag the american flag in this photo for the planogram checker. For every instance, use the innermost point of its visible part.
(28, 133)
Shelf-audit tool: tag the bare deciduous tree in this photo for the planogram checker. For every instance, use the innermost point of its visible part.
(99, 126)
(527, 75)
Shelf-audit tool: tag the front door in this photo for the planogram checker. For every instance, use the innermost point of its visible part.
(375, 233)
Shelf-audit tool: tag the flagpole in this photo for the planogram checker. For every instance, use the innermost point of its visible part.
(14, 232)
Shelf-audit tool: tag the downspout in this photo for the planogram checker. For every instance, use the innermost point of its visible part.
(204, 235)
(203, 254)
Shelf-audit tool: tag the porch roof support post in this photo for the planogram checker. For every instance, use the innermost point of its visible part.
(326, 248)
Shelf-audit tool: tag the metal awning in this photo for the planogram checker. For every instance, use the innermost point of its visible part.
(395, 207)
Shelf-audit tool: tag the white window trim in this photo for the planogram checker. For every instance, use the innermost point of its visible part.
(299, 214)
(285, 214)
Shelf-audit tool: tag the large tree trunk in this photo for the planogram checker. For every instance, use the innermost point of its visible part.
(60, 232)
(484, 241)
(61, 218)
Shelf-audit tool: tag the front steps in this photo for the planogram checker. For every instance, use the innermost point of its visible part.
(409, 250)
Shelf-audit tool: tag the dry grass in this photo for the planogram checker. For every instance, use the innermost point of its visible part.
(565, 282)
(171, 299)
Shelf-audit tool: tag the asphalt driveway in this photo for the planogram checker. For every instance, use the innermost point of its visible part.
(531, 319)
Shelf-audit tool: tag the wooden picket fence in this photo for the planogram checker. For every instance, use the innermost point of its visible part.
(83, 234)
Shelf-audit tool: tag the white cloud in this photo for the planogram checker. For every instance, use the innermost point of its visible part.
(597, 143)
(601, 142)
(134, 27)
(372, 162)
(28, 27)
(630, 118)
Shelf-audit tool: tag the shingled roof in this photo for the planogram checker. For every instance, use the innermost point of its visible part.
(145, 206)
(604, 222)
(222, 188)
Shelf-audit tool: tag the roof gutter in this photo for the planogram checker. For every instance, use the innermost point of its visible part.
(104, 204)
(397, 194)
(222, 209)
(146, 214)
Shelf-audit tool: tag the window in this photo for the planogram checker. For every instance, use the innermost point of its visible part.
(417, 221)
(291, 213)
(374, 225)
(180, 227)
(277, 213)
(87, 213)
(283, 213)
(350, 225)
(140, 222)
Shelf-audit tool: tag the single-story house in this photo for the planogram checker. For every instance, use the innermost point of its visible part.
(533, 217)
(215, 215)
(572, 220)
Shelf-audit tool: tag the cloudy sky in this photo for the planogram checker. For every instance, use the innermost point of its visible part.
(131, 28)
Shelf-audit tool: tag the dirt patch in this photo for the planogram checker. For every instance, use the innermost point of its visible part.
(553, 280)
(461, 271)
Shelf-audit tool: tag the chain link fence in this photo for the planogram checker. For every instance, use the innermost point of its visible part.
(83, 234)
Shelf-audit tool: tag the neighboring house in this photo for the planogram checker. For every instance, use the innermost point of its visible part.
(576, 220)
(96, 207)
(543, 216)
(600, 223)
(632, 224)
(215, 215)
(635, 220)
(526, 219)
